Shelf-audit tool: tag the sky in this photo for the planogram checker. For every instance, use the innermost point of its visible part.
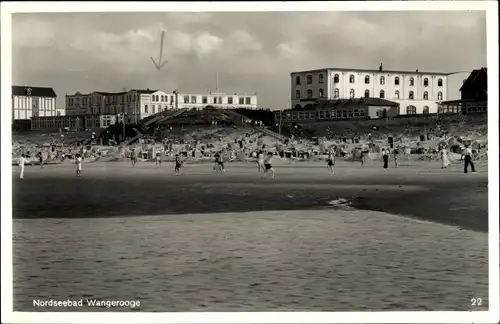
(252, 52)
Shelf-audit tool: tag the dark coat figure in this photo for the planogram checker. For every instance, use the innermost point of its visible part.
(468, 160)
(385, 157)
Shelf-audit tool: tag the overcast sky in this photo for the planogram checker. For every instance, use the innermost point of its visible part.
(252, 52)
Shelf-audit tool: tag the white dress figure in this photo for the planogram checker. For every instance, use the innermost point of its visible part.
(445, 162)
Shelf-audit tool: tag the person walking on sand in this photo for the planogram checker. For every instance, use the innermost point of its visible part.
(260, 161)
(178, 164)
(468, 160)
(78, 162)
(396, 157)
(20, 162)
(330, 163)
(221, 162)
(133, 157)
(158, 159)
(268, 165)
(445, 162)
(385, 157)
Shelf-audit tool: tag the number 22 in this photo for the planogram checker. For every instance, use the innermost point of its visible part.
(476, 301)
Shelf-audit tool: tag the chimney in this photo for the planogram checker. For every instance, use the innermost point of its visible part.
(380, 68)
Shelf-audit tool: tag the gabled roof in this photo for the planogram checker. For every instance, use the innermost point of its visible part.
(472, 77)
(110, 93)
(372, 71)
(33, 91)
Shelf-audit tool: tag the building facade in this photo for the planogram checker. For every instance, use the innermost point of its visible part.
(138, 104)
(77, 122)
(341, 109)
(28, 102)
(474, 95)
(415, 92)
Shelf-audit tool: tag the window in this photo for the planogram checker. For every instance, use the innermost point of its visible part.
(426, 95)
(297, 94)
(356, 113)
(336, 78)
(382, 94)
(219, 100)
(230, 100)
(426, 82)
(186, 99)
(440, 82)
(146, 109)
(412, 81)
(396, 94)
(321, 78)
(426, 110)
(309, 79)
(396, 80)
(204, 99)
(336, 93)
(162, 98)
(367, 79)
(297, 80)
(351, 93)
(193, 99)
(410, 95)
(241, 101)
(367, 93)
(321, 93)
(440, 95)
(248, 100)
(309, 94)
(172, 99)
(351, 79)
(411, 110)
(153, 109)
(382, 80)
(361, 113)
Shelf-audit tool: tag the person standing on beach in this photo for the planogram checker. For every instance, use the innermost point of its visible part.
(20, 162)
(468, 160)
(268, 165)
(178, 164)
(385, 157)
(133, 157)
(40, 159)
(216, 162)
(445, 162)
(330, 163)
(78, 162)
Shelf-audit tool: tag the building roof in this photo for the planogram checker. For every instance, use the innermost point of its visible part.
(147, 91)
(374, 71)
(472, 77)
(35, 91)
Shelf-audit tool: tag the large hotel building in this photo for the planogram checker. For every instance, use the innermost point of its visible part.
(416, 92)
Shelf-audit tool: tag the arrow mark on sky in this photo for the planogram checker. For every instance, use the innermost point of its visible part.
(160, 64)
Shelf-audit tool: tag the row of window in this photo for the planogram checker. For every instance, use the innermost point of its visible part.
(218, 100)
(328, 114)
(336, 94)
(109, 99)
(352, 79)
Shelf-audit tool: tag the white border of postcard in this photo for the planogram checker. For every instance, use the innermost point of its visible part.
(491, 316)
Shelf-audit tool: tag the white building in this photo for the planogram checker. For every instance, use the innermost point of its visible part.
(416, 92)
(30, 102)
(138, 104)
